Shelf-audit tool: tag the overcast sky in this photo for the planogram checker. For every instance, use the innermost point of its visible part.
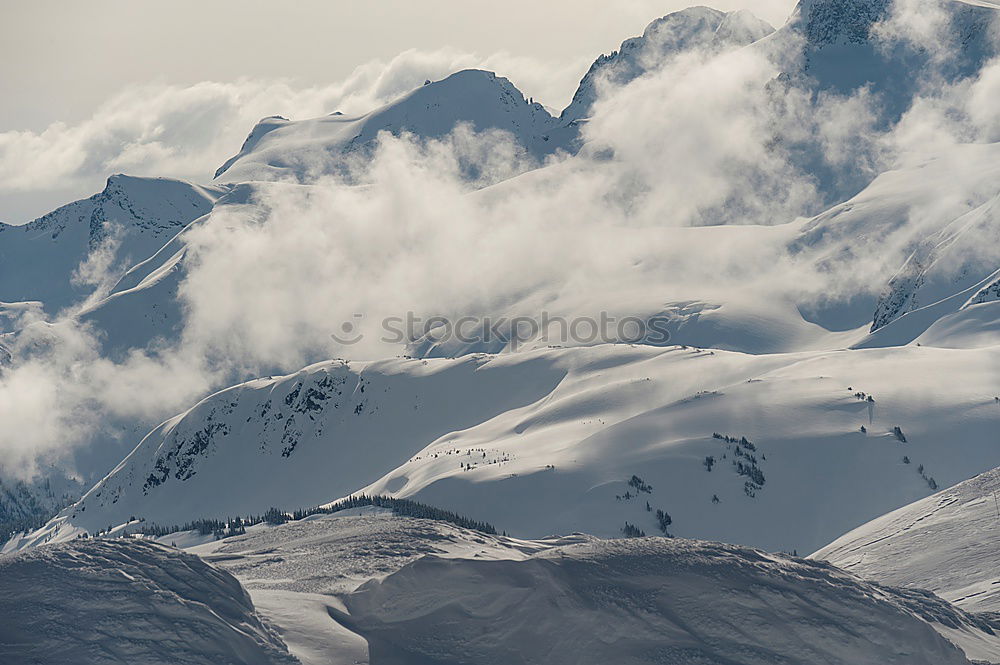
(61, 63)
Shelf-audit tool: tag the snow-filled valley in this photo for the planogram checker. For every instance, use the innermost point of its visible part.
(737, 303)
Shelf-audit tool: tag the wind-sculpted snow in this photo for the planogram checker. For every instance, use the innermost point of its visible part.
(649, 600)
(420, 591)
(124, 601)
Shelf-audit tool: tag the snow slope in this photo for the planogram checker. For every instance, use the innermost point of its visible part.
(115, 601)
(939, 215)
(543, 442)
(294, 572)
(132, 217)
(945, 542)
(279, 149)
(371, 587)
(638, 601)
(304, 439)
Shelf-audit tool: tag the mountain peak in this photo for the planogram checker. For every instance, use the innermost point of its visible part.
(303, 150)
(677, 32)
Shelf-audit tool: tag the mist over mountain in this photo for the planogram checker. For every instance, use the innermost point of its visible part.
(744, 288)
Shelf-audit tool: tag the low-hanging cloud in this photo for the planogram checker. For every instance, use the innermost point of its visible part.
(189, 131)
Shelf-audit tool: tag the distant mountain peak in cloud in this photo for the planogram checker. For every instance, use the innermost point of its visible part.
(675, 33)
(278, 148)
(897, 47)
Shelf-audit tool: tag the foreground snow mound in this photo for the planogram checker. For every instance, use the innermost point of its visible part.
(944, 542)
(115, 601)
(638, 601)
(296, 572)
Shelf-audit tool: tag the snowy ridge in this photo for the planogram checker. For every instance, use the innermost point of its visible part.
(641, 601)
(108, 601)
(302, 151)
(295, 440)
(943, 209)
(948, 262)
(427, 587)
(132, 217)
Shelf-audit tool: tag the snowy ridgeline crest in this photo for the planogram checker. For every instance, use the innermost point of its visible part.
(432, 592)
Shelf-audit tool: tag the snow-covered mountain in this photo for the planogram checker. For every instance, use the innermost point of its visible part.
(124, 223)
(896, 48)
(940, 214)
(817, 372)
(956, 259)
(695, 28)
(729, 445)
(302, 151)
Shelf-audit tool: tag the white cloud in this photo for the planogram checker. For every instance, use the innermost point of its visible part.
(189, 131)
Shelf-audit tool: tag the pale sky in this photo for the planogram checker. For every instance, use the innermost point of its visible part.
(60, 61)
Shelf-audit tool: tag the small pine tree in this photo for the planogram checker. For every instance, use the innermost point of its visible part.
(663, 520)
